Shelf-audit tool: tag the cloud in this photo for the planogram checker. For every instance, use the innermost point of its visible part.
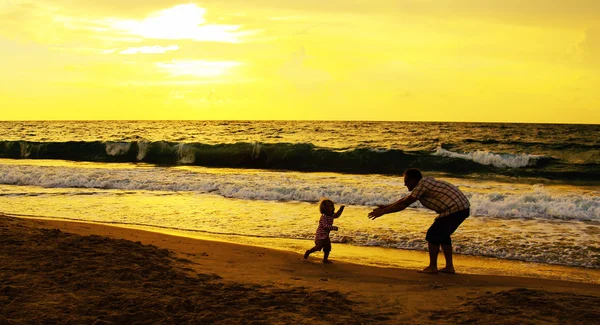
(155, 49)
(198, 68)
(180, 23)
(59, 23)
(284, 18)
(590, 47)
(531, 12)
(106, 7)
(299, 73)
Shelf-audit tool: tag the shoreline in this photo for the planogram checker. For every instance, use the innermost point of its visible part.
(393, 258)
(370, 294)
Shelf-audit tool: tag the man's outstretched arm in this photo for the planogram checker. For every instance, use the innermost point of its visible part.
(399, 205)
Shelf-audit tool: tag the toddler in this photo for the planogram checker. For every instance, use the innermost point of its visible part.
(322, 241)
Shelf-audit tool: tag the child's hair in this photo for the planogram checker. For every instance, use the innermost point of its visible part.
(322, 204)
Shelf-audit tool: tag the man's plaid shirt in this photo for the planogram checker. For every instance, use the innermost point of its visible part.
(440, 196)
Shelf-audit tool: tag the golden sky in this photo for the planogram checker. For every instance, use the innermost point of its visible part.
(415, 60)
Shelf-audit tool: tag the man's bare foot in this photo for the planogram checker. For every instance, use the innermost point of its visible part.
(327, 262)
(449, 270)
(428, 270)
(306, 254)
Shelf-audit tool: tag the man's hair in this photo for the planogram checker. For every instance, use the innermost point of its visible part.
(322, 204)
(413, 173)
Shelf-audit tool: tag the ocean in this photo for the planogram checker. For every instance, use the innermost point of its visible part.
(534, 188)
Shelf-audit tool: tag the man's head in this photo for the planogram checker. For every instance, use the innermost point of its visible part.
(412, 176)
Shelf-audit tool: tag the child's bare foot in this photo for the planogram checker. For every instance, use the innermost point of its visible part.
(306, 254)
(327, 262)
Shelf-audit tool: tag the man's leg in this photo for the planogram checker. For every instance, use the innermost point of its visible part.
(434, 250)
(433, 246)
(448, 255)
(453, 221)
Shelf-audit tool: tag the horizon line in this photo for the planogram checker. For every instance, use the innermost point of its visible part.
(300, 120)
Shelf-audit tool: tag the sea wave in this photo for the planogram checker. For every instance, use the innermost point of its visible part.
(540, 144)
(494, 159)
(535, 202)
(303, 157)
(290, 156)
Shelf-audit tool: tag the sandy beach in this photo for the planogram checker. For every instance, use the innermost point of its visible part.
(56, 272)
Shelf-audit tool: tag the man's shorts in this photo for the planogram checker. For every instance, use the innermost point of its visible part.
(441, 229)
(323, 244)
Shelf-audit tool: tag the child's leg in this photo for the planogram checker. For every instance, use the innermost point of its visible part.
(326, 256)
(312, 250)
(326, 250)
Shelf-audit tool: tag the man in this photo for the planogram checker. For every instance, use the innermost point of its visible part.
(442, 197)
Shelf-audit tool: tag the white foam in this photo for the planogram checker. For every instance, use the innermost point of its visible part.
(117, 148)
(537, 203)
(362, 190)
(186, 154)
(379, 150)
(514, 242)
(256, 148)
(490, 158)
(143, 147)
(26, 149)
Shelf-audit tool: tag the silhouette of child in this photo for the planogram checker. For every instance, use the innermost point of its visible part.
(322, 241)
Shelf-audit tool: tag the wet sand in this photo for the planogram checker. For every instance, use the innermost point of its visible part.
(57, 272)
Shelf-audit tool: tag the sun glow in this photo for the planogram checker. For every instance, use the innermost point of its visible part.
(182, 22)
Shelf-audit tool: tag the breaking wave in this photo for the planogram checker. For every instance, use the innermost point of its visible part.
(303, 157)
(494, 159)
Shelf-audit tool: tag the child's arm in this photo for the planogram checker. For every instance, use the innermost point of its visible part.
(339, 212)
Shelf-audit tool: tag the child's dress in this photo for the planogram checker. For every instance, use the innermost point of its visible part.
(322, 240)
